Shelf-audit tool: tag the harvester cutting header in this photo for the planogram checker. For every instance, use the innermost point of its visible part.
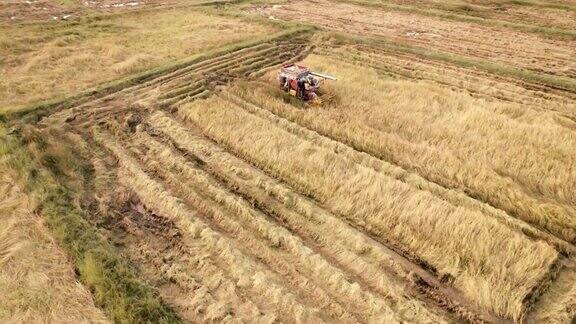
(300, 82)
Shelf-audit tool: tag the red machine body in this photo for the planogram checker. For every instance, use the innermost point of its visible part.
(299, 81)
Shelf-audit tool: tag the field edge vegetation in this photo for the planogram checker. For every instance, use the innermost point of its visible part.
(113, 282)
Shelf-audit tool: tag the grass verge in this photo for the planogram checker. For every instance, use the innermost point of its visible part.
(113, 282)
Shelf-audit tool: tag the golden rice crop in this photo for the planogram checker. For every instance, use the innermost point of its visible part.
(453, 196)
(430, 228)
(318, 268)
(453, 140)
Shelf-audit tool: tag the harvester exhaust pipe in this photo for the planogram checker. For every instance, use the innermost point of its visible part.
(329, 77)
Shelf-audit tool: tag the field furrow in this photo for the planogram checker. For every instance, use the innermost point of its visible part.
(187, 280)
(236, 218)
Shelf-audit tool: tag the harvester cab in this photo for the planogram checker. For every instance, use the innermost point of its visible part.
(300, 82)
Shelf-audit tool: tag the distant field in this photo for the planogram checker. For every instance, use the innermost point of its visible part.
(42, 62)
(553, 16)
(433, 183)
(504, 46)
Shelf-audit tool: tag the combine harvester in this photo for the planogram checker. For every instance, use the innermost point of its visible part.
(300, 82)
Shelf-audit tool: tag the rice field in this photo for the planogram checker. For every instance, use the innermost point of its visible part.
(422, 189)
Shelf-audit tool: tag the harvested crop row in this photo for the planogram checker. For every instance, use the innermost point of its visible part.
(225, 67)
(191, 86)
(189, 282)
(234, 61)
(254, 243)
(353, 262)
(354, 252)
(215, 64)
(530, 180)
(246, 271)
(497, 273)
(186, 280)
(272, 244)
(204, 64)
(281, 39)
(454, 197)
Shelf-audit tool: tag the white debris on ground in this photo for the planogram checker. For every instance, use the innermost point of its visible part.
(66, 16)
(13, 17)
(276, 6)
(272, 18)
(119, 5)
(416, 34)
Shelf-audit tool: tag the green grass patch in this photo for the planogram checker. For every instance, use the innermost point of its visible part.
(115, 285)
